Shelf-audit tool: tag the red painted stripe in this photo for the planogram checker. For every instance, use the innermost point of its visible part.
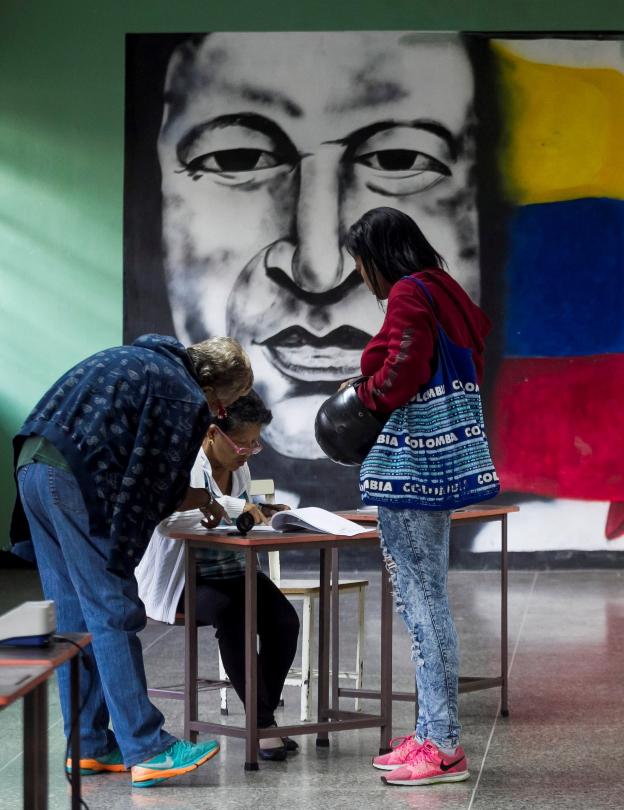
(558, 429)
(615, 521)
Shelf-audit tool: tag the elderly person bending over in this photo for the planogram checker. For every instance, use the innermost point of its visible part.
(221, 467)
(104, 456)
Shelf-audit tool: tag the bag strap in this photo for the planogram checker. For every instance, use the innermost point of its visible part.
(444, 342)
(429, 297)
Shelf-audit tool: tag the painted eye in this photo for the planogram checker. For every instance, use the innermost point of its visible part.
(234, 160)
(402, 160)
(400, 172)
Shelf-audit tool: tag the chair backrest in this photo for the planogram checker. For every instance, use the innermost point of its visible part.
(263, 490)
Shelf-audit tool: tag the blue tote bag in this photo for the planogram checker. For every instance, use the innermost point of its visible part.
(433, 453)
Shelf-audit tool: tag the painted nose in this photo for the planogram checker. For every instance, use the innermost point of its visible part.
(315, 263)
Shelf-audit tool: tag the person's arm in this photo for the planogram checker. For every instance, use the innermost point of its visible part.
(269, 509)
(194, 498)
(203, 500)
(233, 506)
(411, 345)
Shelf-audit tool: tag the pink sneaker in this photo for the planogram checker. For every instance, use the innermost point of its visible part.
(402, 749)
(429, 765)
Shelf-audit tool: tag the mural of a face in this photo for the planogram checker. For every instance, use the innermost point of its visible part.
(271, 146)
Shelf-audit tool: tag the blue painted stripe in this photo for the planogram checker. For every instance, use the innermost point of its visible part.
(565, 279)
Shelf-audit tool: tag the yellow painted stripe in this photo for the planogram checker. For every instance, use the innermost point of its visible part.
(563, 130)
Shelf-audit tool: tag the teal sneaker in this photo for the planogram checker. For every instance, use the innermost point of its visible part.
(179, 758)
(108, 763)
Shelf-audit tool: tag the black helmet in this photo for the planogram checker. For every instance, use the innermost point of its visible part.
(345, 429)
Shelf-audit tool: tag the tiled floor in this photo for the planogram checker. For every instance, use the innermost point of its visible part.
(560, 748)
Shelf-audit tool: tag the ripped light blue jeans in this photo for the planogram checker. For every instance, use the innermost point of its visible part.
(415, 545)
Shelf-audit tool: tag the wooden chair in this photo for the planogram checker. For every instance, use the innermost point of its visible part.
(306, 591)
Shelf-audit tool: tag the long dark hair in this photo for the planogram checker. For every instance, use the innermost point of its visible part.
(390, 242)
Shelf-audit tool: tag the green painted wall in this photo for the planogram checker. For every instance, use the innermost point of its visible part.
(61, 154)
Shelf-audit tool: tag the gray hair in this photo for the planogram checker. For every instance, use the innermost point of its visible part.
(222, 364)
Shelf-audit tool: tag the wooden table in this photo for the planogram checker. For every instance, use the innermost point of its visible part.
(38, 665)
(330, 717)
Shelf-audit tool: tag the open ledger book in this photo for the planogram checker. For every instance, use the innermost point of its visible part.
(308, 518)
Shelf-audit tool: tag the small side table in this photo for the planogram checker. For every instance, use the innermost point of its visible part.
(24, 673)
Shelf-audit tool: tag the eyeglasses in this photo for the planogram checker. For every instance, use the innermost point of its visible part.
(255, 448)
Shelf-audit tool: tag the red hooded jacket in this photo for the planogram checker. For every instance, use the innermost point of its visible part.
(400, 359)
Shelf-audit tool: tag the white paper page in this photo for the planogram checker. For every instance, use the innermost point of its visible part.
(316, 519)
(312, 518)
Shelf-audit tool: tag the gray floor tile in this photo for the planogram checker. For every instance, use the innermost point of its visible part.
(561, 747)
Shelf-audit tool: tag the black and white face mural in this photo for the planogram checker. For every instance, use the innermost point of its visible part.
(270, 146)
(248, 156)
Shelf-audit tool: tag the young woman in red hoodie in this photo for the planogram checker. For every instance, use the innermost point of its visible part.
(388, 247)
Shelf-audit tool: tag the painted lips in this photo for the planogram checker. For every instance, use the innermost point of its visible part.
(300, 354)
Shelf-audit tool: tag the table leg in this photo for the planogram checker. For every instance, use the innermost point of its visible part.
(75, 724)
(504, 630)
(335, 630)
(322, 739)
(190, 642)
(36, 748)
(386, 662)
(251, 661)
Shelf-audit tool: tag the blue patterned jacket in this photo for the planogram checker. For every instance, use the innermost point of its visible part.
(129, 421)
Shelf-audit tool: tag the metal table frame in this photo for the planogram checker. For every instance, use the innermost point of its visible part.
(47, 659)
(328, 719)
(484, 514)
(34, 692)
(330, 716)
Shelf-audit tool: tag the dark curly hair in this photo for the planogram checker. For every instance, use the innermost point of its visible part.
(246, 410)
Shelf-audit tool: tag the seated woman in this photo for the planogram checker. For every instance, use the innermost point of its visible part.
(221, 467)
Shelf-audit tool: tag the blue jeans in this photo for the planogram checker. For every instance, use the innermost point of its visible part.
(88, 598)
(415, 545)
